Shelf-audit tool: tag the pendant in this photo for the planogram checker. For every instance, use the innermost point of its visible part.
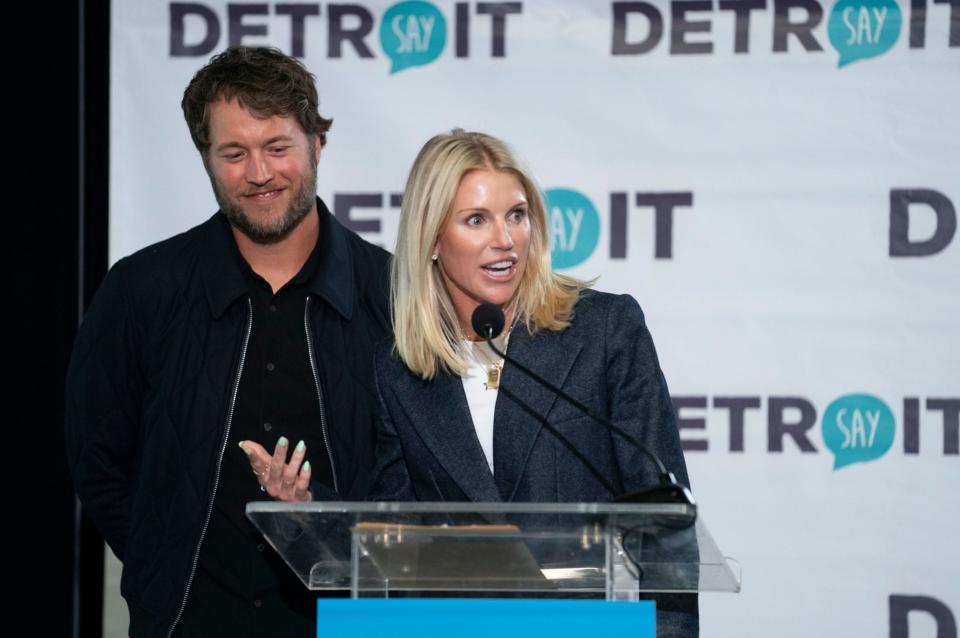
(493, 376)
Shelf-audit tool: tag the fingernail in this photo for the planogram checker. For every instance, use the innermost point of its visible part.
(282, 441)
(301, 446)
(245, 450)
(306, 466)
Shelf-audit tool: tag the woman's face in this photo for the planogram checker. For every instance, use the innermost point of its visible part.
(483, 244)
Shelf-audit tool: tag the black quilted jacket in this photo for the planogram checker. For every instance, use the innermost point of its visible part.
(149, 388)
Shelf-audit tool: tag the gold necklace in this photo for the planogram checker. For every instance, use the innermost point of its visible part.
(494, 371)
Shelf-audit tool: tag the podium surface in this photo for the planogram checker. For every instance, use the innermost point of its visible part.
(582, 550)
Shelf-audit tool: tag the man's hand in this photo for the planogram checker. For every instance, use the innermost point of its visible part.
(283, 481)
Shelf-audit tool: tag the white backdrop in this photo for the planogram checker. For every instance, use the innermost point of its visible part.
(779, 281)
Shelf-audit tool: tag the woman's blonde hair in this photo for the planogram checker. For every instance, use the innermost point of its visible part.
(424, 320)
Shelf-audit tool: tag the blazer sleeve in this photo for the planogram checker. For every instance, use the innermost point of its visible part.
(391, 478)
(638, 398)
(103, 408)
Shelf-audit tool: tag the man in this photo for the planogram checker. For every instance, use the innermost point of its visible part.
(251, 332)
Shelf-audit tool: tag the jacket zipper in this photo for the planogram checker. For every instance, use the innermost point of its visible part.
(216, 478)
(316, 382)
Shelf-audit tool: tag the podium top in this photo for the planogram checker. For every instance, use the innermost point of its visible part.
(563, 548)
(453, 508)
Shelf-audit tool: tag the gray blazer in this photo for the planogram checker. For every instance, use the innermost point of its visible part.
(427, 448)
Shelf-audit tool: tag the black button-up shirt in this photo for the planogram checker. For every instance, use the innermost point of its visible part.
(241, 586)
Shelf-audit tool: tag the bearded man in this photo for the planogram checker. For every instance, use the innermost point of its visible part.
(243, 343)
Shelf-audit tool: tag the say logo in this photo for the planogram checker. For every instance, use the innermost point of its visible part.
(857, 428)
(412, 34)
(573, 226)
(860, 29)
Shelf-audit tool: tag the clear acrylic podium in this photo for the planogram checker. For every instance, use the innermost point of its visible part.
(523, 550)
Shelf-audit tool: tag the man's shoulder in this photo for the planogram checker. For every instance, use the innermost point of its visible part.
(370, 266)
(364, 252)
(164, 275)
(178, 252)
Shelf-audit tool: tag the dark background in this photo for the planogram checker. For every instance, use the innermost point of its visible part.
(56, 91)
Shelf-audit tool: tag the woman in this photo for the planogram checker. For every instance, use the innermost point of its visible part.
(473, 230)
(457, 425)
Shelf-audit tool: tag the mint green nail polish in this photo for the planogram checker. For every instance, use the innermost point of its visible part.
(306, 466)
(282, 441)
(301, 446)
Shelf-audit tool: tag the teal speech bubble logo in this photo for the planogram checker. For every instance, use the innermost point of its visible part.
(573, 226)
(857, 428)
(412, 34)
(860, 29)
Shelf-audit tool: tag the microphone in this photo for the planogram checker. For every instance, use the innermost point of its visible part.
(488, 322)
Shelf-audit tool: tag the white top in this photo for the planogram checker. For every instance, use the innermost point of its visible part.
(481, 400)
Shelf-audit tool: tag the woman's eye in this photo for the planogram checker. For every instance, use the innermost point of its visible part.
(474, 220)
(518, 214)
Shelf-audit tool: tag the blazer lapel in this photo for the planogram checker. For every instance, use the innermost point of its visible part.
(438, 411)
(518, 418)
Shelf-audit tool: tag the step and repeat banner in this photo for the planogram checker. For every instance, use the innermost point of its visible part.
(776, 181)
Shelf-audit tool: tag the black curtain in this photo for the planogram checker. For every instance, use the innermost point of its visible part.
(55, 164)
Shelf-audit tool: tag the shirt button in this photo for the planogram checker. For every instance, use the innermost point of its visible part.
(261, 547)
(270, 367)
(268, 426)
(273, 308)
(258, 603)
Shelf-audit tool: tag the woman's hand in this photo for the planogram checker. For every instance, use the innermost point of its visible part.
(283, 481)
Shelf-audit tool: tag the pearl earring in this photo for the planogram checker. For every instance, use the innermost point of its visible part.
(435, 257)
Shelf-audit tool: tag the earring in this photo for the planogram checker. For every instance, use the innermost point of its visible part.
(435, 257)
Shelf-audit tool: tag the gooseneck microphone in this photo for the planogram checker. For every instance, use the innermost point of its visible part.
(488, 322)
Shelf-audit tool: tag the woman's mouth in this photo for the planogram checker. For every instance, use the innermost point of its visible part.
(502, 269)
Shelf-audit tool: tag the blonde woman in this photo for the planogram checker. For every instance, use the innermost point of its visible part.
(455, 423)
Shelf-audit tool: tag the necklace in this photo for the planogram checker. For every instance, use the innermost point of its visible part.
(494, 371)
(483, 357)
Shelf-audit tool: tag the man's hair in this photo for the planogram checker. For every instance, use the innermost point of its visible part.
(426, 326)
(262, 80)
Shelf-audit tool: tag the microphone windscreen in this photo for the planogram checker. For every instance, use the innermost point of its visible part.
(487, 320)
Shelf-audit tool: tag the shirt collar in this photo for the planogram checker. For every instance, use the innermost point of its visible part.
(332, 280)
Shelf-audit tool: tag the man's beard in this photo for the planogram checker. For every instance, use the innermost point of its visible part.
(271, 232)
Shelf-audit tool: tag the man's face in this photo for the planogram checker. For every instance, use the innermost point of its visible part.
(263, 171)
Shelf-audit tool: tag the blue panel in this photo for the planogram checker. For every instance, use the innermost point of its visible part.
(483, 618)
